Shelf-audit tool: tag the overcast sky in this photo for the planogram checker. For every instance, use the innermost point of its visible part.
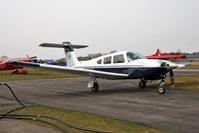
(105, 25)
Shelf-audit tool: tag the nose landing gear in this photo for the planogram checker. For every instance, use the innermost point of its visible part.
(161, 88)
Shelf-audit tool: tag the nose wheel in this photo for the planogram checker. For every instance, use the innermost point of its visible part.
(161, 88)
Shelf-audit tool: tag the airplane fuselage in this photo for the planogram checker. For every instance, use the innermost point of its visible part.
(134, 68)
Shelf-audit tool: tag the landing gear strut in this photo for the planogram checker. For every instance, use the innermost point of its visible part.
(142, 83)
(161, 88)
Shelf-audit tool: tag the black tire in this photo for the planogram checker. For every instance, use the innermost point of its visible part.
(161, 90)
(142, 84)
(95, 87)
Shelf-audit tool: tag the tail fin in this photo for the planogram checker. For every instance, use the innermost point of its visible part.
(71, 58)
(157, 53)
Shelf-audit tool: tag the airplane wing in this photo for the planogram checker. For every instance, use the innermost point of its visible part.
(78, 71)
(183, 65)
(166, 57)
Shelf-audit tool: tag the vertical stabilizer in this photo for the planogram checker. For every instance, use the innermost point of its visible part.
(157, 53)
(71, 58)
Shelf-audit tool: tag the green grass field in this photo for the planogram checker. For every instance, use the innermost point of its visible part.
(85, 121)
(32, 75)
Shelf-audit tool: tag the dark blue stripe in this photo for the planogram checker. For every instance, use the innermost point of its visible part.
(135, 73)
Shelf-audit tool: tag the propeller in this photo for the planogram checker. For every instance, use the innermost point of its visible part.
(170, 68)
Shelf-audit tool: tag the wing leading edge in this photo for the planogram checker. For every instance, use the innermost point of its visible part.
(183, 65)
(78, 71)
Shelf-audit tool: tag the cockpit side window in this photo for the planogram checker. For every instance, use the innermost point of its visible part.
(107, 60)
(99, 61)
(134, 56)
(118, 58)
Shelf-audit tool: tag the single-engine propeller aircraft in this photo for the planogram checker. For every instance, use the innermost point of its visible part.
(165, 57)
(118, 65)
(5, 66)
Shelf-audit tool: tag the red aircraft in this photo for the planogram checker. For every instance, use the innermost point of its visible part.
(165, 57)
(5, 66)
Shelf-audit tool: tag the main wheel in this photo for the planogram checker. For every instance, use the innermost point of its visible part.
(161, 89)
(142, 84)
(95, 87)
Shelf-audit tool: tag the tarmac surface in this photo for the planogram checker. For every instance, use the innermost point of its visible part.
(176, 110)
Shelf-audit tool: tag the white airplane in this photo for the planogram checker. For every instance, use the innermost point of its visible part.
(118, 65)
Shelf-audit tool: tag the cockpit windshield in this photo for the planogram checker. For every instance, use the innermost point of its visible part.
(131, 56)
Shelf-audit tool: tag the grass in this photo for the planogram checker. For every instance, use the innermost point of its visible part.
(33, 74)
(85, 121)
(182, 83)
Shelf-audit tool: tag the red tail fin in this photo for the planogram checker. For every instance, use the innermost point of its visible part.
(157, 52)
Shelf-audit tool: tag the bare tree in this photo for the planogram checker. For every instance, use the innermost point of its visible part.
(4, 56)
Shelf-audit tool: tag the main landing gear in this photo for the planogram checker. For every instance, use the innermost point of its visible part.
(95, 87)
(93, 84)
(161, 87)
(142, 83)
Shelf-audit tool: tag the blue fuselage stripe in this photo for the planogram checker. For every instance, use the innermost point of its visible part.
(150, 73)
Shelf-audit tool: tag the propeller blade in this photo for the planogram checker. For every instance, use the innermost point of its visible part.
(172, 79)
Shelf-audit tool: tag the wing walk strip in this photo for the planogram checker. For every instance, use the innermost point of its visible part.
(72, 70)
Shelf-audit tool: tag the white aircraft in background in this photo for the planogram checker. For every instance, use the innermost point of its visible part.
(118, 65)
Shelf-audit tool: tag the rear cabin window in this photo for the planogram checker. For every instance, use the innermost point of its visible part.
(118, 58)
(107, 60)
(99, 61)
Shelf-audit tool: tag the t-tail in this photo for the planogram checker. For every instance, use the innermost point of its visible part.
(157, 53)
(71, 58)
